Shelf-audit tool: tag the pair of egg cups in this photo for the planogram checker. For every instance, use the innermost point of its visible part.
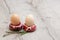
(21, 26)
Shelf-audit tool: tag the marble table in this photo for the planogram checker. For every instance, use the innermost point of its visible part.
(46, 16)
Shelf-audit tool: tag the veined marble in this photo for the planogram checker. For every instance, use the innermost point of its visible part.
(46, 14)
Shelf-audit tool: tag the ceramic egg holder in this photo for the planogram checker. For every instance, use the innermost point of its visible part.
(15, 24)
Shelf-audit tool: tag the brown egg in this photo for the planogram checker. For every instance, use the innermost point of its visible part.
(29, 21)
(15, 19)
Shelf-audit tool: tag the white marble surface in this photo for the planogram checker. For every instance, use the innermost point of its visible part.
(46, 14)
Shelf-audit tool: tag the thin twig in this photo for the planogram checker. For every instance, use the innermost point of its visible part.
(7, 34)
(14, 32)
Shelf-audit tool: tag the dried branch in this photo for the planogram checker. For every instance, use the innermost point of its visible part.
(14, 32)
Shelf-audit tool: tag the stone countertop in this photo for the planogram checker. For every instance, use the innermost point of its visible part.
(46, 16)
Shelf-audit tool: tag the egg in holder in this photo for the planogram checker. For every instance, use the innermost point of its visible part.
(15, 24)
(29, 25)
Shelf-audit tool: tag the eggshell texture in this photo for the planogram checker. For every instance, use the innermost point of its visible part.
(29, 21)
(15, 19)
